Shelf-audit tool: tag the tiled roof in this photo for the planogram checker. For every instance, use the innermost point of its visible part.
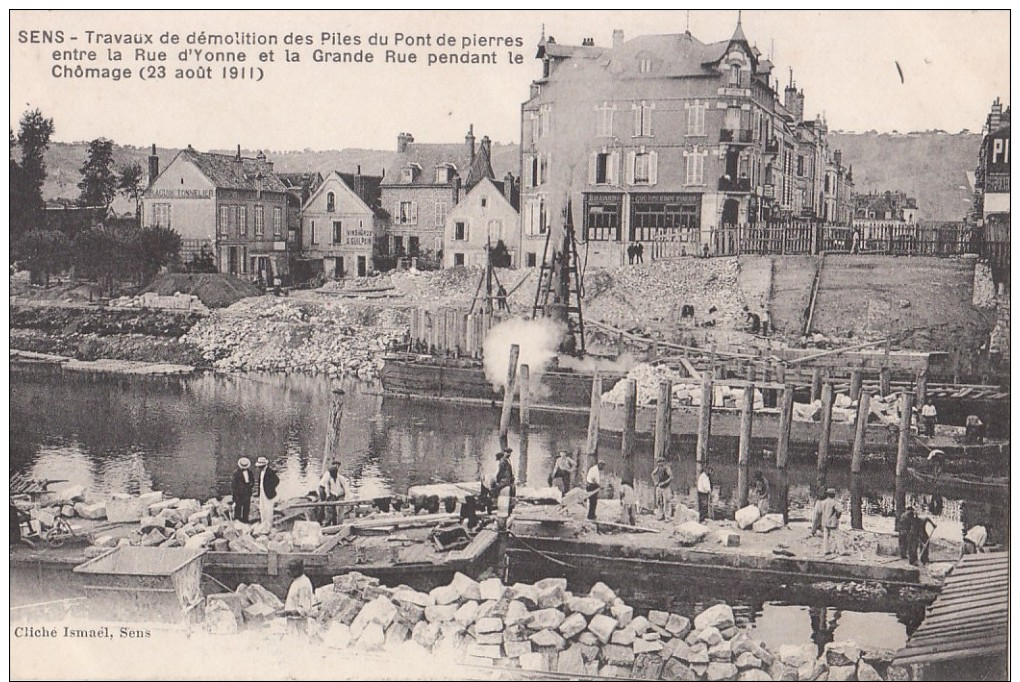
(970, 617)
(226, 173)
(481, 167)
(428, 156)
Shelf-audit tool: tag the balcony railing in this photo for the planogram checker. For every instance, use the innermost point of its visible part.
(739, 135)
(734, 185)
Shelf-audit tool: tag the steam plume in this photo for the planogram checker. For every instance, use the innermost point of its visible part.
(538, 340)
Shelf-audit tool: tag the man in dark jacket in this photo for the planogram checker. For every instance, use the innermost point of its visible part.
(907, 527)
(241, 486)
(268, 481)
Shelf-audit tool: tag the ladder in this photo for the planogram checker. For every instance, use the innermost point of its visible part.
(560, 279)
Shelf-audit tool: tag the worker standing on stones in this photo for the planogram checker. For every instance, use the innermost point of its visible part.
(830, 520)
(704, 493)
(906, 527)
(505, 474)
(501, 299)
(763, 491)
(662, 478)
(593, 484)
(268, 481)
(332, 487)
(241, 486)
(563, 471)
(300, 604)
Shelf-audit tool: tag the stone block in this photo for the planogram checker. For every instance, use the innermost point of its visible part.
(396, 634)
(492, 588)
(866, 672)
(199, 540)
(515, 649)
(768, 523)
(719, 616)
(622, 672)
(796, 655)
(842, 673)
(466, 587)
(574, 625)
(680, 649)
(336, 636)
(425, 634)
(622, 613)
(121, 509)
(677, 625)
(516, 613)
(586, 606)
(602, 626)
(647, 666)
(727, 538)
(445, 594)
(721, 671)
(200, 517)
(488, 637)
(468, 613)
(441, 613)
(710, 636)
(644, 646)
(602, 592)
(306, 535)
(551, 596)
(533, 661)
(617, 654)
(658, 618)
(571, 662)
(373, 637)
(220, 620)
(490, 624)
(746, 517)
(548, 638)
(723, 651)
(153, 538)
(588, 638)
(753, 674)
(845, 652)
(640, 625)
(673, 669)
(546, 619)
(490, 651)
(729, 633)
(95, 511)
(690, 533)
(747, 660)
(413, 597)
(624, 636)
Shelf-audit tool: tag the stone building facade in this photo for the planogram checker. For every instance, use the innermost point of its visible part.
(486, 217)
(340, 222)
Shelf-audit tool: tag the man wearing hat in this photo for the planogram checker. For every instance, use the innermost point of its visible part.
(332, 486)
(241, 486)
(830, 513)
(300, 604)
(268, 481)
(662, 477)
(504, 475)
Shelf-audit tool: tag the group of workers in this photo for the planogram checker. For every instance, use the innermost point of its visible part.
(263, 482)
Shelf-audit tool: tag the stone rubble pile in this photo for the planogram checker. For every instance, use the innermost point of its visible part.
(883, 410)
(272, 334)
(659, 289)
(150, 299)
(450, 287)
(542, 627)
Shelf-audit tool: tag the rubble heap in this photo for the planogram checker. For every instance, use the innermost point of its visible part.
(542, 627)
(686, 391)
(273, 334)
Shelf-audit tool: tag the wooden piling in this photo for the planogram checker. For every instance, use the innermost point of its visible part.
(744, 448)
(885, 381)
(525, 414)
(903, 446)
(860, 432)
(629, 425)
(336, 416)
(592, 444)
(619, 344)
(704, 422)
(823, 443)
(508, 394)
(856, 379)
(663, 419)
(783, 449)
(922, 387)
(816, 383)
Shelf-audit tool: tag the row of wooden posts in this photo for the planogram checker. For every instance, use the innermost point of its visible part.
(519, 382)
(451, 330)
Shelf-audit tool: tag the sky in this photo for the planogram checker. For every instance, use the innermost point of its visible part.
(954, 64)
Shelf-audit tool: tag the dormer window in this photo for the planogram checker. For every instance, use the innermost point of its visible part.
(410, 173)
(645, 65)
(444, 174)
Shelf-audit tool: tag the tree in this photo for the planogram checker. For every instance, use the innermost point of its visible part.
(155, 247)
(43, 252)
(98, 181)
(131, 185)
(28, 171)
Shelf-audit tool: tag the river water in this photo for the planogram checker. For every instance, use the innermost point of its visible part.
(183, 436)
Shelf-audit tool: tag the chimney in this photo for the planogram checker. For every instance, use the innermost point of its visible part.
(617, 39)
(794, 101)
(469, 140)
(487, 145)
(153, 165)
(404, 139)
(359, 185)
(238, 157)
(456, 190)
(995, 118)
(508, 188)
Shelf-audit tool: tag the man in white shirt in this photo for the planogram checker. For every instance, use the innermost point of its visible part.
(268, 481)
(332, 487)
(300, 604)
(704, 493)
(593, 484)
(929, 415)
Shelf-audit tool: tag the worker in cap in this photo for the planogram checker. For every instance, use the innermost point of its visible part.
(268, 482)
(300, 604)
(830, 513)
(563, 471)
(241, 486)
(504, 475)
(333, 486)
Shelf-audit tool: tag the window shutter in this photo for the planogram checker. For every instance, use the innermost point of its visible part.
(529, 178)
(414, 212)
(653, 167)
(637, 120)
(548, 165)
(612, 168)
(467, 230)
(593, 162)
(631, 160)
(648, 119)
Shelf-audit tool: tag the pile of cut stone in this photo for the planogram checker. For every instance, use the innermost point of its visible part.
(543, 627)
(883, 410)
(685, 390)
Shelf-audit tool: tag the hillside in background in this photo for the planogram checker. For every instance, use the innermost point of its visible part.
(932, 167)
(64, 161)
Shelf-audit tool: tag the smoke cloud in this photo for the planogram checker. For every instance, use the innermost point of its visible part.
(538, 340)
(589, 364)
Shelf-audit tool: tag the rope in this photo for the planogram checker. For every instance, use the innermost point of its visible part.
(540, 553)
(206, 575)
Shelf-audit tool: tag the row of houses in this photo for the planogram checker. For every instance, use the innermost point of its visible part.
(661, 138)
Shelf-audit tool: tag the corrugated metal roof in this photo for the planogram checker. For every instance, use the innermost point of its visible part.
(969, 618)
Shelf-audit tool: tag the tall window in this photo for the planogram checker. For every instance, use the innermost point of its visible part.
(460, 231)
(642, 167)
(536, 169)
(160, 215)
(535, 221)
(242, 220)
(533, 119)
(277, 221)
(696, 118)
(406, 213)
(440, 213)
(605, 119)
(696, 167)
(735, 74)
(260, 220)
(643, 119)
(336, 231)
(545, 119)
(330, 202)
(226, 214)
(495, 229)
(315, 237)
(644, 65)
